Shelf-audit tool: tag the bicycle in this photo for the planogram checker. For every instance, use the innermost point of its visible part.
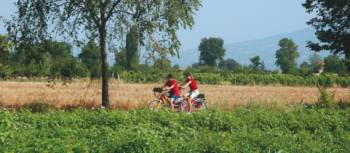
(162, 101)
(180, 104)
(199, 103)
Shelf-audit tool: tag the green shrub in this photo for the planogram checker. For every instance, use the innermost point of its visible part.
(326, 99)
(39, 107)
(5, 72)
(251, 129)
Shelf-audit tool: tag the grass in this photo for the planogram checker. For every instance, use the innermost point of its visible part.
(135, 96)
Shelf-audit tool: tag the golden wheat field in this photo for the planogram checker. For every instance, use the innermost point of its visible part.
(128, 96)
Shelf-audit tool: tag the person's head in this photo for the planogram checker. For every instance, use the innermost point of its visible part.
(169, 77)
(187, 74)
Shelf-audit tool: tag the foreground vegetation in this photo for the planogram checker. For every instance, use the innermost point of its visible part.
(250, 129)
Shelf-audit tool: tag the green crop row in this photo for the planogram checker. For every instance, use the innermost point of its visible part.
(243, 130)
(242, 79)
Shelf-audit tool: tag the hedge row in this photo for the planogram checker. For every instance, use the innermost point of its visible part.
(242, 79)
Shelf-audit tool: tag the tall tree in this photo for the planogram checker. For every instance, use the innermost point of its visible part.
(90, 57)
(332, 24)
(131, 47)
(105, 19)
(211, 51)
(287, 55)
(257, 64)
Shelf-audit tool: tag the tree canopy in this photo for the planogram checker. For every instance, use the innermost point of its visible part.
(334, 64)
(257, 64)
(211, 51)
(107, 20)
(332, 24)
(286, 56)
(132, 49)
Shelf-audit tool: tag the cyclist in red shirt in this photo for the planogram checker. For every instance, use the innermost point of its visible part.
(193, 93)
(173, 88)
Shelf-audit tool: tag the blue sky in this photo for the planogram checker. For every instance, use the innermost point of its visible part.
(232, 20)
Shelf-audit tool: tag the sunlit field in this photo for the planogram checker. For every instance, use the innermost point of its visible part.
(134, 96)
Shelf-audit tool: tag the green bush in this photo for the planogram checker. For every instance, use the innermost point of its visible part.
(39, 107)
(5, 72)
(243, 130)
(326, 99)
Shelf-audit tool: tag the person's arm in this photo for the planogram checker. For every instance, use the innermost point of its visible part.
(164, 86)
(169, 88)
(185, 84)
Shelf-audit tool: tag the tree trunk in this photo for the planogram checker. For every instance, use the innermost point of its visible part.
(104, 65)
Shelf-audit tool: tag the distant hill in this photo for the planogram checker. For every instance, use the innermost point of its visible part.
(265, 48)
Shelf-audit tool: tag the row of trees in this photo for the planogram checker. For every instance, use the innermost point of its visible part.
(212, 52)
(55, 59)
(332, 24)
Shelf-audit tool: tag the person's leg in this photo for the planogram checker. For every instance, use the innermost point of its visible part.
(189, 102)
(193, 95)
(172, 103)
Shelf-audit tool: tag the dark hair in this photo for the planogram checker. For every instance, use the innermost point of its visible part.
(186, 74)
(169, 76)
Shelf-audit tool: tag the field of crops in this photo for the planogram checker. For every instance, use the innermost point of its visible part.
(242, 79)
(129, 96)
(250, 129)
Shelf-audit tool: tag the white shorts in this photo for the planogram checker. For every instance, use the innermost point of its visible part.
(193, 94)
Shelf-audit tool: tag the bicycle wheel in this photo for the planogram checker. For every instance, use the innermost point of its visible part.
(200, 105)
(182, 106)
(204, 105)
(155, 105)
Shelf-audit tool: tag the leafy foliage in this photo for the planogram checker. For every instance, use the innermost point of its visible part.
(211, 51)
(90, 56)
(287, 55)
(243, 130)
(305, 69)
(229, 64)
(256, 64)
(334, 64)
(5, 47)
(332, 24)
(326, 100)
(132, 49)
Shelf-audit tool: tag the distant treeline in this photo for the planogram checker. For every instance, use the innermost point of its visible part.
(53, 59)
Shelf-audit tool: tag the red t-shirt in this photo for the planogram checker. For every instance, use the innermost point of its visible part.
(174, 91)
(193, 84)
